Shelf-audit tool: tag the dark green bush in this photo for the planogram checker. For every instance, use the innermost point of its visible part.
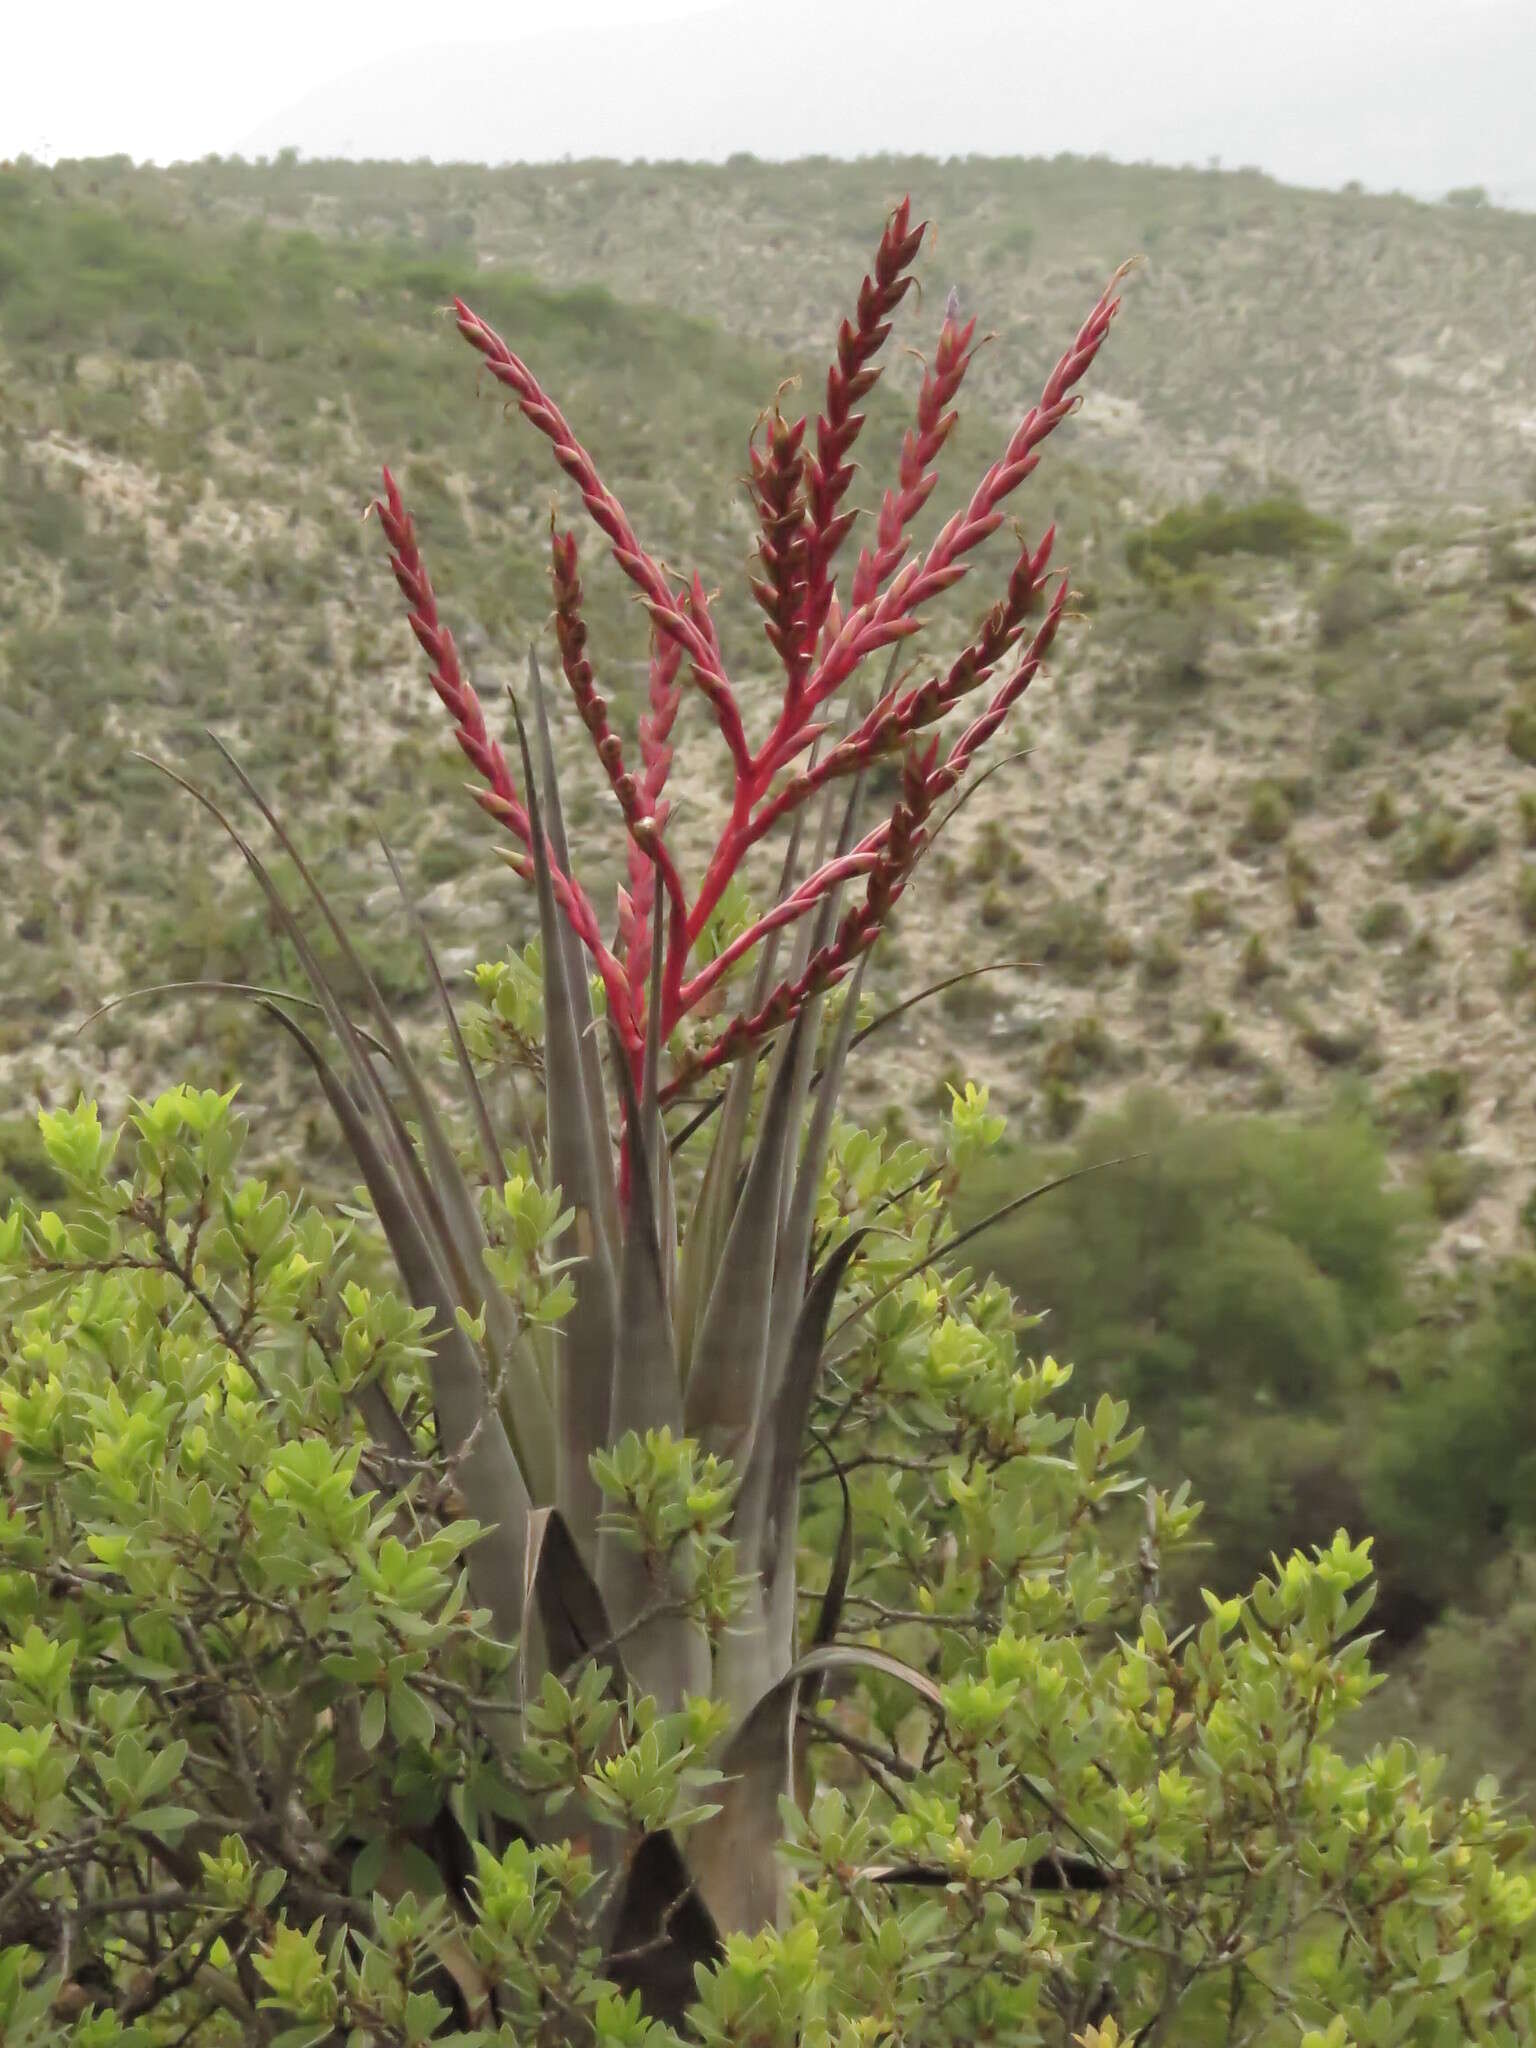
(1279, 527)
(1225, 1271)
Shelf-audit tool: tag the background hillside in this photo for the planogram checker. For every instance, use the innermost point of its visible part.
(1271, 849)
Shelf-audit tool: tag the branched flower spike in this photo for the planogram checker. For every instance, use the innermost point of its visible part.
(821, 644)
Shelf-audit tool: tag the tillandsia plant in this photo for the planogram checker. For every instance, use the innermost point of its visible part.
(669, 1605)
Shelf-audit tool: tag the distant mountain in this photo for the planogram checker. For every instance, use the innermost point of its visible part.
(1416, 96)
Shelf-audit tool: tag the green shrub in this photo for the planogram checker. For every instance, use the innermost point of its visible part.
(1520, 729)
(1224, 1268)
(1427, 1106)
(1070, 935)
(1453, 1181)
(1468, 1394)
(1162, 961)
(1258, 963)
(1218, 1044)
(1520, 650)
(1281, 528)
(1444, 847)
(1267, 818)
(1353, 599)
(1085, 1048)
(1382, 920)
(1382, 820)
(1208, 911)
(1351, 1044)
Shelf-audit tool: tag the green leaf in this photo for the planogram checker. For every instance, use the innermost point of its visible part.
(410, 1718)
(370, 1723)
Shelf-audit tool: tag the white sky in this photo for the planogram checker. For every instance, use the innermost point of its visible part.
(1416, 94)
(178, 79)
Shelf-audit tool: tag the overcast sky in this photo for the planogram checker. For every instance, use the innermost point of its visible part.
(1412, 94)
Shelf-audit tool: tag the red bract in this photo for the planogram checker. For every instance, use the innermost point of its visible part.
(820, 645)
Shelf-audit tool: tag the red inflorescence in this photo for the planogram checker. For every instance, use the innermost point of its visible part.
(802, 525)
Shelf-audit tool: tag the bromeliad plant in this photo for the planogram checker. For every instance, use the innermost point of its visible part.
(673, 1400)
(482, 1666)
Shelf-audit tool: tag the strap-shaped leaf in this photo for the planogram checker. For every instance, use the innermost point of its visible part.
(830, 1612)
(402, 1154)
(204, 987)
(800, 1215)
(726, 1378)
(573, 1619)
(470, 1432)
(575, 960)
(579, 1163)
(464, 1242)
(937, 988)
(533, 1421)
(662, 1931)
(734, 1854)
(488, 1472)
(768, 1511)
(454, 1256)
(485, 1134)
(705, 1237)
(668, 1655)
(1054, 1873)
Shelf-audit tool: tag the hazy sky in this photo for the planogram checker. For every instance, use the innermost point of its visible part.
(1417, 94)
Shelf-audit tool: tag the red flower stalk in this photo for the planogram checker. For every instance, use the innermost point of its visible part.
(802, 525)
(635, 902)
(919, 448)
(777, 470)
(850, 379)
(500, 798)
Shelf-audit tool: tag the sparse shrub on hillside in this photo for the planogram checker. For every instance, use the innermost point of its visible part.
(1279, 527)
(1162, 961)
(1427, 1107)
(1301, 881)
(996, 856)
(997, 907)
(1520, 650)
(1258, 963)
(1174, 635)
(1070, 935)
(1382, 920)
(1217, 1044)
(1085, 1048)
(1525, 894)
(1444, 847)
(1354, 598)
(1351, 1044)
(1208, 911)
(1526, 810)
(1383, 818)
(1520, 729)
(1267, 816)
(1062, 1106)
(1454, 1181)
